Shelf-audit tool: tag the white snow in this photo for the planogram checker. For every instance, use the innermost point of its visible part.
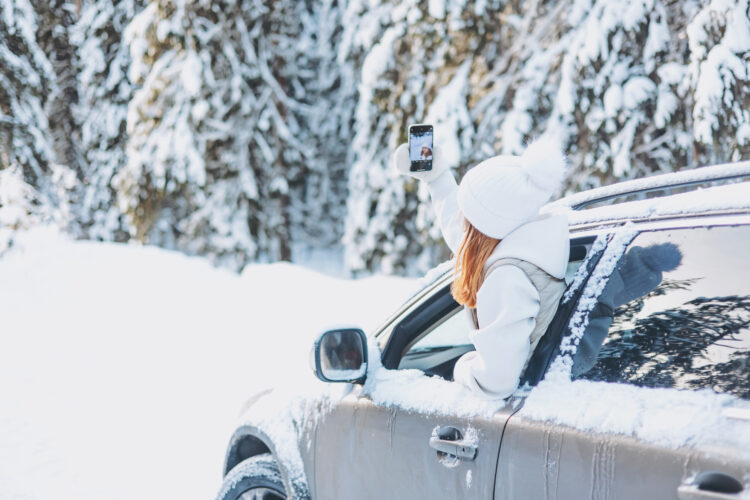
(436, 8)
(412, 390)
(705, 174)
(379, 58)
(729, 197)
(667, 417)
(124, 367)
(581, 273)
(344, 374)
(597, 281)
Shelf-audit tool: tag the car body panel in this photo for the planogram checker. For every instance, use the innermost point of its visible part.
(360, 440)
(546, 460)
(266, 426)
(574, 463)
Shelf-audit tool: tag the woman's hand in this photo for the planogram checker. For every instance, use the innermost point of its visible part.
(401, 163)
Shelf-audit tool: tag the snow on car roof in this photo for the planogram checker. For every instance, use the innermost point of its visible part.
(695, 175)
(702, 200)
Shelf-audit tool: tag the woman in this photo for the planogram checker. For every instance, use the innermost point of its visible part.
(510, 259)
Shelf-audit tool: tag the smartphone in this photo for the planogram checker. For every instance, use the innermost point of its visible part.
(420, 147)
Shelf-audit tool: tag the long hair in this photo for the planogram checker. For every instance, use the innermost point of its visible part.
(473, 253)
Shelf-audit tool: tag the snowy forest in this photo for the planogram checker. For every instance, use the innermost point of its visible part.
(247, 131)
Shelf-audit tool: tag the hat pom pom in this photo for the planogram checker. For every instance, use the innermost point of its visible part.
(544, 164)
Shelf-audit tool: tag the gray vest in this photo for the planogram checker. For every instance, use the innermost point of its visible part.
(550, 291)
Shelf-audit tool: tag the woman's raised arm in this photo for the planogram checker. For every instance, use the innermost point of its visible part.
(443, 190)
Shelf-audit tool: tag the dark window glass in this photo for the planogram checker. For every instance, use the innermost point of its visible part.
(674, 313)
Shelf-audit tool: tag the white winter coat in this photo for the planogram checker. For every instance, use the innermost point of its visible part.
(507, 301)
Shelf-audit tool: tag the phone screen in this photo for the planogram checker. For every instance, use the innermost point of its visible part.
(420, 147)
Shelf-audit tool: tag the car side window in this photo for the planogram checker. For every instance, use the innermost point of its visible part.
(674, 313)
(433, 343)
(442, 343)
(450, 330)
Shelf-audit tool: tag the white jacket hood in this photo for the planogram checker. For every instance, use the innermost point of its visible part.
(543, 242)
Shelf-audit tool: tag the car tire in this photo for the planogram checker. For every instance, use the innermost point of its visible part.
(256, 478)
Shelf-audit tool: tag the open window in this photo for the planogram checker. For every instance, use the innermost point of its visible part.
(432, 337)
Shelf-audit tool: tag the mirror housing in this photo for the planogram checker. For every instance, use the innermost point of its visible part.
(340, 355)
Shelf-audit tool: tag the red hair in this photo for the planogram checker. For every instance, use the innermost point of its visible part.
(473, 253)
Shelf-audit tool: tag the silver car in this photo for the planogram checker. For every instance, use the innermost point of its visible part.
(640, 388)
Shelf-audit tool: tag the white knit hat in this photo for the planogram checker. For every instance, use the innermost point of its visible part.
(506, 191)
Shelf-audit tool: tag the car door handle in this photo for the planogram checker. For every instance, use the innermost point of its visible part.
(711, 485)
(459, 449)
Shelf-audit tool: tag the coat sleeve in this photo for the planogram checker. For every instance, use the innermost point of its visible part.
(444, 193)
(507, 305)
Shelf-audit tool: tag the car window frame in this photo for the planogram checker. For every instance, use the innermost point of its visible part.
(383, 331)
(666, 226)
(420, 313)
(689, 221)
(425, 314)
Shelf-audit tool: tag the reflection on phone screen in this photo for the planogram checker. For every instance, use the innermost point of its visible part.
(420, 146)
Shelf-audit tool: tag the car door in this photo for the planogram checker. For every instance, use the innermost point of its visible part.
(415, 434)
(657, 403)
(400, 439)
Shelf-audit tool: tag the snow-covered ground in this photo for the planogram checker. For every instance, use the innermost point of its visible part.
(123, 368)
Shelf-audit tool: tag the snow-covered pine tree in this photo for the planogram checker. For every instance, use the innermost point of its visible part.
(20, 206)
(219, 161)
(300, 40)
(636, 92)
(26, 79)
(416, 62)
(55, 19)
(717, 90)
(187, 182)
(105, 91)
(327, 85)
(631, 89)
(34, 186)
(595, 87)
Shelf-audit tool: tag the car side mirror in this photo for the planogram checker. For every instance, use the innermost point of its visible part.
(340, 355)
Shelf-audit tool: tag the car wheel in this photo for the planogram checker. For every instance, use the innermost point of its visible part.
(256, 478)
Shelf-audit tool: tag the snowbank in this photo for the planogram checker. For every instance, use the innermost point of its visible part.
(124, 367)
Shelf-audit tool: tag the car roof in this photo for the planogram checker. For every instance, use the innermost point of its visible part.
(722, 199)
